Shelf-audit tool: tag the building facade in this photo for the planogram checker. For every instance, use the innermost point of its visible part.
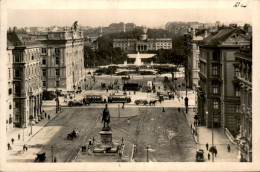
(9, 100)
(27, 84)
(142, 46)
(192, 52)
(243, 69)
(218, 94)
(62, 55)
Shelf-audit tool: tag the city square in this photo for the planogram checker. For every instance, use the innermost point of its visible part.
(126, 91)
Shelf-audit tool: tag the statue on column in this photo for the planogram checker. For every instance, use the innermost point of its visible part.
(106, 118)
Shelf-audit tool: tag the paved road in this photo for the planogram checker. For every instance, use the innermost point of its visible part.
(55, 134)
(167, 134)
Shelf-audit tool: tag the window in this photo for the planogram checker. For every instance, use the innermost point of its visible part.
(57, 72)
(44, 50)
(237, 91)
(237, 72)
(32, 57)
(57, 60)
(17, 88)
(57, 50)
(17, 117)
(17, 73)
(16, 104)
(44, 83)
(16, 58)
(57, 83)
(10, 91)
(9, 73)
(215, 104)
(215, 89)
(237, 108)
(44, 72)
(43, 61)
(10, 106)
(215, 70)
(215, 56)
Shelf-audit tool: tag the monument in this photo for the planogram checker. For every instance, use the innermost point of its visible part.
(107, 147)
(138, 61)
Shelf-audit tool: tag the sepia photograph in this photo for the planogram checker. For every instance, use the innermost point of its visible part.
(146, 85)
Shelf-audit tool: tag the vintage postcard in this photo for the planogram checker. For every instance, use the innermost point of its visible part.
(129, 85)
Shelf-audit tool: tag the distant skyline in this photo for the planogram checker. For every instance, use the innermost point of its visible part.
(153, 18)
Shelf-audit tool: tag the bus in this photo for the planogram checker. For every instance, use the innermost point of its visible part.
(119, 99)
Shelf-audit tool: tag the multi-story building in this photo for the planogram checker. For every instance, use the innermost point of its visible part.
(62, 55)
(191, 48)
(134, 45)
(9, 100)
(218, 95)
(243, 71)
(118, 27)
(51, 62)
(27, 84)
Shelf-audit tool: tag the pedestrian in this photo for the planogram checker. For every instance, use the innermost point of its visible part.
(216, 151)
(208, 156)
(26, 147)
(89, 141)
(8, 146)
(49, 117)
(18, 136)
(12, 140)
(207, 146)
(128, 121)
(45, 115)
(89, 150)
(93, 140)
(191, 126)
(123, 105)
(228, 147)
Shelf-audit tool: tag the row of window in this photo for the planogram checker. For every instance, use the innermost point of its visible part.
(56, 50)
(57, 72)
(216, 106)
(57, 61)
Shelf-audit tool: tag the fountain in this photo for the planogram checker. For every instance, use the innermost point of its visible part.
(138, 61)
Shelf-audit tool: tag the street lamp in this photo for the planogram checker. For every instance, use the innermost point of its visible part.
(212, 135)
(31, 120)
(51, 153)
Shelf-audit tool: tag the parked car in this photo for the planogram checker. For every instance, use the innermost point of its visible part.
(200, 155)
(75, 103)
(141, 101)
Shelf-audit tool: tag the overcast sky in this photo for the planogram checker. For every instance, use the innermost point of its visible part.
(152, 14)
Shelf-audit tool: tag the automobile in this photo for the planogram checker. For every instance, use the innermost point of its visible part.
(200, 155)
(141, 101)
(40, 157)
(75, 103)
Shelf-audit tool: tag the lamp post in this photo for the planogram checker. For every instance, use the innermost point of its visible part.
(31, 119)
(212, 135)
(51, 153)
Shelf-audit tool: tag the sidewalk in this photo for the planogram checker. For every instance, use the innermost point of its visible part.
(25, 136)
(204, 135)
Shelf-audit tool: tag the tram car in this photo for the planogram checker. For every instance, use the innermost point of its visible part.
(119, 99)
(97, 98)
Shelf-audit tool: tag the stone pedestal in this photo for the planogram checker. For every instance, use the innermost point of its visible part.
(106, 139)
(107, 147)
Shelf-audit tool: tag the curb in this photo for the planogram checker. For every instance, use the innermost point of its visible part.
(189, 124)
(43, 126)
